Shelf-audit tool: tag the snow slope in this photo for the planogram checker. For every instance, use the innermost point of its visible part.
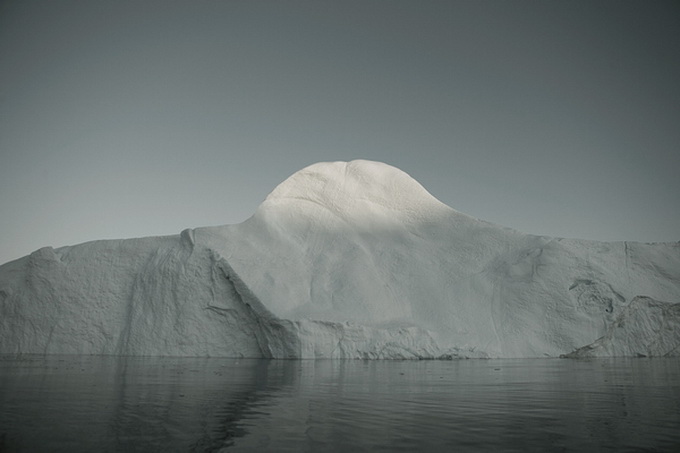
(346, 260)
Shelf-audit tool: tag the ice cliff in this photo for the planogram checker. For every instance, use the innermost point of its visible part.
(346, 260)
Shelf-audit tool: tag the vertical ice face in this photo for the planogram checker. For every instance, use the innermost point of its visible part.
(344, 260)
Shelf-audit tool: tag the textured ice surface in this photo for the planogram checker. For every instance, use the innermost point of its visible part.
(645, 328)
(345, 260)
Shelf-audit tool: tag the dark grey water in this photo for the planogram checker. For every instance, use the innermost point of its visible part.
(72, 403)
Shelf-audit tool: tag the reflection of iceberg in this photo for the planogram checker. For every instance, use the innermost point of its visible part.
(78, 403)
(342, 260)
(109, 403)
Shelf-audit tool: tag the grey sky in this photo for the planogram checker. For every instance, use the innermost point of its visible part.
(137, 118)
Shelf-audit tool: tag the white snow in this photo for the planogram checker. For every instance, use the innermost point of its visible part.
(345, 260)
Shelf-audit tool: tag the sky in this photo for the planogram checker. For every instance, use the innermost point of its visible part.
(134, 118)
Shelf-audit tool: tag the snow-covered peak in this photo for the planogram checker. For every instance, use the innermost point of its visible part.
(359, 190)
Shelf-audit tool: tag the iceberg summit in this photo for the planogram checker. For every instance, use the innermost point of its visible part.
(346, 260)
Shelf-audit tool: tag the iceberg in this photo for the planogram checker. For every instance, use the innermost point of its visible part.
(346, 260)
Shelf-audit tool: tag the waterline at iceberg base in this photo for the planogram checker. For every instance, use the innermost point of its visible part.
(346, 260)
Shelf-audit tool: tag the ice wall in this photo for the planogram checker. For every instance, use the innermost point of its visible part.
(344, 260)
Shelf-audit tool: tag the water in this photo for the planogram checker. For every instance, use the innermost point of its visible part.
(73, 403)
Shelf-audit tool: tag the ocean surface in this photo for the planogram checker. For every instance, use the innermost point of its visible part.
(106, 404)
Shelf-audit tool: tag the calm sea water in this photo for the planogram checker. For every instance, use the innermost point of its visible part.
(73, 403)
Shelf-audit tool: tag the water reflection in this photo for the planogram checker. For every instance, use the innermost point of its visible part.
(190, 404)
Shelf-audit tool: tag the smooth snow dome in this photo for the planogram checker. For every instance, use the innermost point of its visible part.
(346, 260)
(355, 192)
